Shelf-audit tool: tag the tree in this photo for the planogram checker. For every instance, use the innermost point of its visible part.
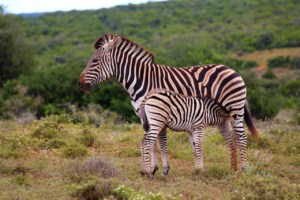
(16, 56)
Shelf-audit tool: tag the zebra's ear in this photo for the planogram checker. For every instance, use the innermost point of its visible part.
(112, 43)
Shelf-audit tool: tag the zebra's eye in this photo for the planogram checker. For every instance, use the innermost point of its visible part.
(95, 60)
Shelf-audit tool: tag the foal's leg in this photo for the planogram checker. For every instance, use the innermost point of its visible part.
(224, 128)
(197, 135)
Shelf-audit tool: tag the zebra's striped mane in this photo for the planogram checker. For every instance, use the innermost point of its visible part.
(110, 37)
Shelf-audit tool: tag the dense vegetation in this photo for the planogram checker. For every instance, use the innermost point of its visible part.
(179, 33)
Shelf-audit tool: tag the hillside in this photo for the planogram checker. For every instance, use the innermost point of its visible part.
(162, 27)
(178, 33)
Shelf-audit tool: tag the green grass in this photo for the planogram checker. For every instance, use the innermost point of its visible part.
(79, 161)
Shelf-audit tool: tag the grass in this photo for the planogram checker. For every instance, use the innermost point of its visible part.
(262, 57)
(51, 159)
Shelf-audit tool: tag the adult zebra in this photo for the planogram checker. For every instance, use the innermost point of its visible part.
(163, 108)
(135, 69)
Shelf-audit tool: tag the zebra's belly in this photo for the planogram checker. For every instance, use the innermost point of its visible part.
(185, 127)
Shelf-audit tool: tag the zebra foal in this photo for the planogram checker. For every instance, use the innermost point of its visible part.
(178, 112)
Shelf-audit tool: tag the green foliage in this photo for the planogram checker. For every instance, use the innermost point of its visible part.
(269, 74)
(295, 63)
(16, 57)
(186, 33)
(279, 61)
(52, 144)
(20, 179)
(47, 130)
(257, 187)
(93, 190)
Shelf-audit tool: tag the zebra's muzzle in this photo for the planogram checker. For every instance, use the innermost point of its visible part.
(86, 87)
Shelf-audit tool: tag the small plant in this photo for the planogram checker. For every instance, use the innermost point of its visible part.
(49, 129)
(20, 179)
(88, 139)
(93, 190)
(74, 151)
(53, 144)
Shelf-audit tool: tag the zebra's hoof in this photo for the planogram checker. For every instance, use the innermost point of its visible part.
(166, 170)
(154, 170)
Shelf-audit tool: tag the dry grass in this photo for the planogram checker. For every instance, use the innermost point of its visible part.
(262, 57)
(111, 167)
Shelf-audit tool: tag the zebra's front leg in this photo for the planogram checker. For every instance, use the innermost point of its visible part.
(197, 135)
(163, 148)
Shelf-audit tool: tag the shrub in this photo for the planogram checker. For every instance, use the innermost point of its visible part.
(47, 130)
(295, 63)
(74, 151)
(53, 144)
(95, 166)
(93, 190)
(257, 187)
(279, 61)
(269, 74)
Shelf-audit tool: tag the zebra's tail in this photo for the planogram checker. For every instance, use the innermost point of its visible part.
(249, 123)
(144, 119)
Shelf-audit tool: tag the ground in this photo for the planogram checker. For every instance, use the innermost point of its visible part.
(56, 158)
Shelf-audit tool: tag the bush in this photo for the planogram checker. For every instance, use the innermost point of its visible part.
(257, 187)
(74, 151)
(53, 144)
(295, 63)
(95, 166)
(269, 74)
(279, 61)
(48, 129)
(87, 139)
(93, 190)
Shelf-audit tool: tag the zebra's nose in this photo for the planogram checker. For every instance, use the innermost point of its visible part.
(83, 85)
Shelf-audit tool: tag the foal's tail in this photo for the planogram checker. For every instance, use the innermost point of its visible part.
(249, 123)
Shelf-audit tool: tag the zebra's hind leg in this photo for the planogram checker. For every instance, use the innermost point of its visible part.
(241, 140)
(163, 148)
(148, 145)
(192, 143)
(197, 135)
(229, 136)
